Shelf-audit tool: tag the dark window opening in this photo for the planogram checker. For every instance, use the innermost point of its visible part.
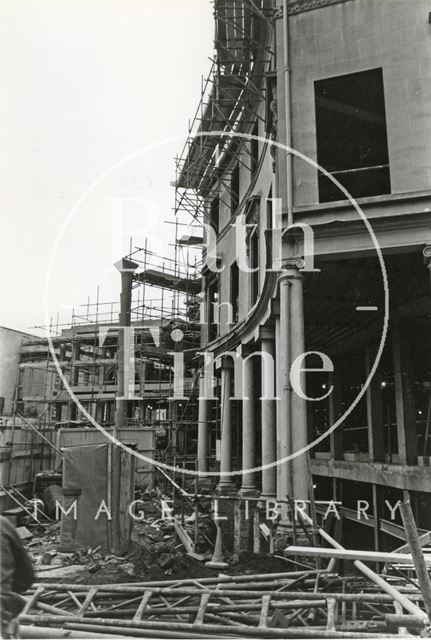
(253, 247)
(351, 135)
(212, 301)
(254, 264)
(214, 213)
(234, 291)
(234, 196)
(269, 231)
(254, 150)
(271, 104)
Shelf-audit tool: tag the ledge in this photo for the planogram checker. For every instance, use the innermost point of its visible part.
(388, 199)
(413, 478)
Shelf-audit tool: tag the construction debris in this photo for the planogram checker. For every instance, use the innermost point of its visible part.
(308, 603)
(278, 605)
(24, 533)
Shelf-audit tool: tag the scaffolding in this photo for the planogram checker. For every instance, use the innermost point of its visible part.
(230, 95)
(166, 290)
(165, 297)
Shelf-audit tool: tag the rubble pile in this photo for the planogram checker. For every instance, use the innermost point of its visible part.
(156, 552)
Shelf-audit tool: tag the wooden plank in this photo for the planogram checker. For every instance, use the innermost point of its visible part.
(142, 605)
(423, 540)
(332, 614)
(263, 621)
(88, 599)
(202, 607)
(386, 526)
(389, 589)
(378, 510)
(419, 559)
(33, 599)
(399, 476)
(126, 492)
(27, 453)
(348, 554)
(186, 541)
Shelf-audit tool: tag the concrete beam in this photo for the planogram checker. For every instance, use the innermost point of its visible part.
(411, 478)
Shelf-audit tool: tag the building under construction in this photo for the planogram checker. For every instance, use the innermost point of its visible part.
(304, 322)
(309, 157)
(279, 368)
(67, 385)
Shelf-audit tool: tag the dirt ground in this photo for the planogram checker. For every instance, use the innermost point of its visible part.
(156, 553)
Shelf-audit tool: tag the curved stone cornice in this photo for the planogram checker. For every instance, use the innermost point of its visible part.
(257, 315)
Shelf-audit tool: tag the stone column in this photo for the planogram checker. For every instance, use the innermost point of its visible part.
(100, 409)
(282, 475)
(298, 403)
(202, 429)
(248, 486)
(225, 484)
(294, 409)
(284, 487)
(93, 410)
(269, 453)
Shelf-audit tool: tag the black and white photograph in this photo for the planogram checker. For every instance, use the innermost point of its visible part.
(215, 329)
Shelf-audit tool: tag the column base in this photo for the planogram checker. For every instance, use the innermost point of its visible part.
(249, 492)
(227, 489)
(216, 565)
(265, 497)
(286, 534)
(283, 535)
(205, 484)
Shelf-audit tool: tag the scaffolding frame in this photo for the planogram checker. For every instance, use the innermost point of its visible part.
(230, 95)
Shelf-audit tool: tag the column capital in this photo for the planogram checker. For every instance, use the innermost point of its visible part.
(126, 266)
(293, 263)
(267, 333)
(275, 307)
(291, 269)
(247, 350)
(226, 362)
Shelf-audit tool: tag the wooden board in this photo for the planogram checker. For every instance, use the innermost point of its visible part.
(348, 554)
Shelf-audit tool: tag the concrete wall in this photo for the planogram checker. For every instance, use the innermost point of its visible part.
(339, 39)
(10, 347)
(142, 437)
(23, 454)
(355, 36)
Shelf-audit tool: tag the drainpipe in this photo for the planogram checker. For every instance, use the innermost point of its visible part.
(293, 423)
(287, 114)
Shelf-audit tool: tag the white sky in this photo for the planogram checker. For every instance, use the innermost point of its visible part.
(85, 84)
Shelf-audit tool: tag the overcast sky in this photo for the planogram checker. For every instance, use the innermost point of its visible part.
(87, 84)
